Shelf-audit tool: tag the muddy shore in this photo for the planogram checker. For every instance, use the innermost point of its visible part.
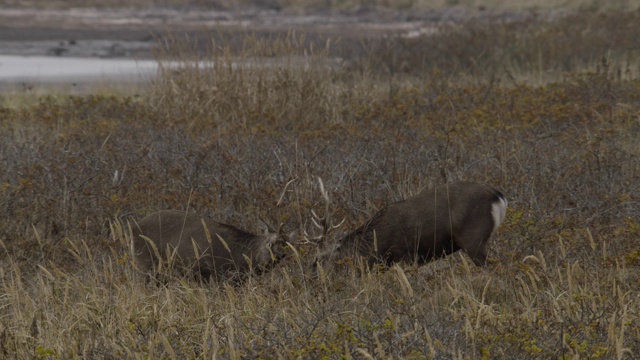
(134, 33)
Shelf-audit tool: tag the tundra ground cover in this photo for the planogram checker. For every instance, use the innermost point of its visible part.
(242, 137)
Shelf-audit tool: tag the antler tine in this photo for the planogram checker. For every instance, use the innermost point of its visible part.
(325, 196)
(324, 193)
(340, 224)
(315, 219)
(305, 240)
(324, 223)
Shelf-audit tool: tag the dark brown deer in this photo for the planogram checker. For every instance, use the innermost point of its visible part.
(427, 226)
(206, 248)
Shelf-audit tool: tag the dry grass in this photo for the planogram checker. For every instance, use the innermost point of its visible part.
(241, 137)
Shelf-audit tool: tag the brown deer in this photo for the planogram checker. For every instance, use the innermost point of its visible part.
(204, 247)
(427, 226)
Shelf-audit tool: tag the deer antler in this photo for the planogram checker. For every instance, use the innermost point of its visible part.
(324, 223)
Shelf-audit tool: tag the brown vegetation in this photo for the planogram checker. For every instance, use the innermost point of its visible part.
(246, 137)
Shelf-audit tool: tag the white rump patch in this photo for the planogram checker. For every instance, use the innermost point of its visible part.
(498, 211)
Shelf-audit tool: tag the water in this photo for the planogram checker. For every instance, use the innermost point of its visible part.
(35, 70)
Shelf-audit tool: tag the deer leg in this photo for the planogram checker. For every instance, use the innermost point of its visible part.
(478, 253)
(474, 244)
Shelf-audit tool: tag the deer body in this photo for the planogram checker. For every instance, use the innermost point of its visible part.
(203, 246)
(427, 226)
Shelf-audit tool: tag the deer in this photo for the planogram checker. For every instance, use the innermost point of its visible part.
(204, 247)
(430, 225)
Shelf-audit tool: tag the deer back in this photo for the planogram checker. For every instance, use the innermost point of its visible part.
(201, 245)
(431, 224)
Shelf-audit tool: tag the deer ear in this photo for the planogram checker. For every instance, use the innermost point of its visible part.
(292, 236)
(266, 229)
